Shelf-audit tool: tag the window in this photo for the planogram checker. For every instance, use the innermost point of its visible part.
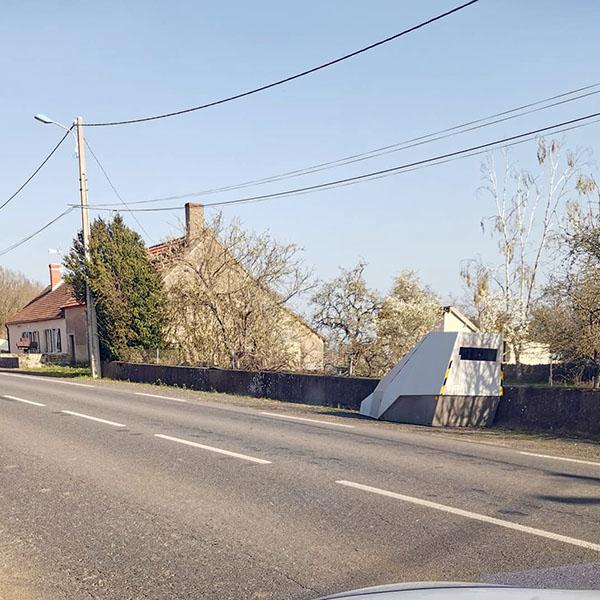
(34, 340)
(52, 341)
(469, 353)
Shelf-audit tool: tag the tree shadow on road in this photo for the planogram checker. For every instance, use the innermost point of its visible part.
(582, 500)
(589, 478)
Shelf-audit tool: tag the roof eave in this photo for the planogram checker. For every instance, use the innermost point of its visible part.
(23, 322)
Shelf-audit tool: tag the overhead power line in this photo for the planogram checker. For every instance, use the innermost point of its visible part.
(32, 235)
(509, 141)
(471, 151)
(267, 86)
(39, 168)
(114, 189)
(440, 159)
(448, 132)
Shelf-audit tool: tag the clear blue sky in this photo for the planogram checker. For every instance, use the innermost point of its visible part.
(113, 60)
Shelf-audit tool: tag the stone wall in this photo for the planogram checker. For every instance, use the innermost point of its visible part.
(341, 392)
(550, 409)
(21, 361)
(9, 361)
(546, 409)
(53, 359)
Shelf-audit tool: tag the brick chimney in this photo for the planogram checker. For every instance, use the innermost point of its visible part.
(55, 276)
(194, 221)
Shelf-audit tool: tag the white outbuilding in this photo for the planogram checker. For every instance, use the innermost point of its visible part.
(447, 379)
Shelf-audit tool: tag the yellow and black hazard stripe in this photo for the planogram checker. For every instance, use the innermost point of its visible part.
(501, 391)
(445, 379)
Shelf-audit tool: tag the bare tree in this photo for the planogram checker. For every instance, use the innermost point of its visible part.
(568, 319)
(526, 216)
(228, 296)
(581, 233)
(345, 309)
(16, 291)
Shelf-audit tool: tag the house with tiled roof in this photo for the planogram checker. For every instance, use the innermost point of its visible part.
(178, 259)
(52, 323)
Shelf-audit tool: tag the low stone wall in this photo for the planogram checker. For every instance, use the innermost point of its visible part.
(20, 361)
(56, 359)
(550, 409)
(545, 409)
(323, 390)
(9, 361)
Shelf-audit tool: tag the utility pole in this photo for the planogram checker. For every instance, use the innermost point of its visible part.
(90, 308)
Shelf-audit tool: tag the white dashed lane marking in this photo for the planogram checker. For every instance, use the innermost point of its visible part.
(564, 458)
(474, 516)
(23, 400)
(213, 449)
(161, 397)
(304, 419)
(89, 417)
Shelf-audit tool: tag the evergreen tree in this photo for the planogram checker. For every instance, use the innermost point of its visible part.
(126, 287)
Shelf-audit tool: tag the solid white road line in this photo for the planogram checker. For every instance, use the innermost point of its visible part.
(23, 400)
(46, 379)
(475, 516)
(161, 397)
(76, 414)
(573, 460)
(213, 449)
(270, 414)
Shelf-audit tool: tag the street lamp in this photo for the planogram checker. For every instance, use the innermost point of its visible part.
(48, 121)
(90, 313)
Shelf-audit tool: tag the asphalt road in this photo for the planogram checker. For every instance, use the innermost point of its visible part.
(105, 493)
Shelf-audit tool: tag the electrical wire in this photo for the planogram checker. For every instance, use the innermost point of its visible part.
(440, 162)
(392, 148)
(352, 180)
(289, 78)
(32, 235)
(11, 198)
(439, 159)
(114, 189)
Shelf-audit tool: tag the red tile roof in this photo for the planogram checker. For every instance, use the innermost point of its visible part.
(47, 305)
(159, 249)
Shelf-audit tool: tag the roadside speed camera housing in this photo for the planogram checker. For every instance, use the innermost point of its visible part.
(448, 379)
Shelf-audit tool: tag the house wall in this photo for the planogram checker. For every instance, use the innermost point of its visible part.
(13, 337)
(16, 332)
(305, 344)
(307, 347)
(533, 353)
(452, 323)
(75, 325)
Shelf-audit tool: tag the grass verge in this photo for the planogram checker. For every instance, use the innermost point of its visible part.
(57, 371)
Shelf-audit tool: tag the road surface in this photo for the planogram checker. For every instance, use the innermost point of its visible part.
(121, 491)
